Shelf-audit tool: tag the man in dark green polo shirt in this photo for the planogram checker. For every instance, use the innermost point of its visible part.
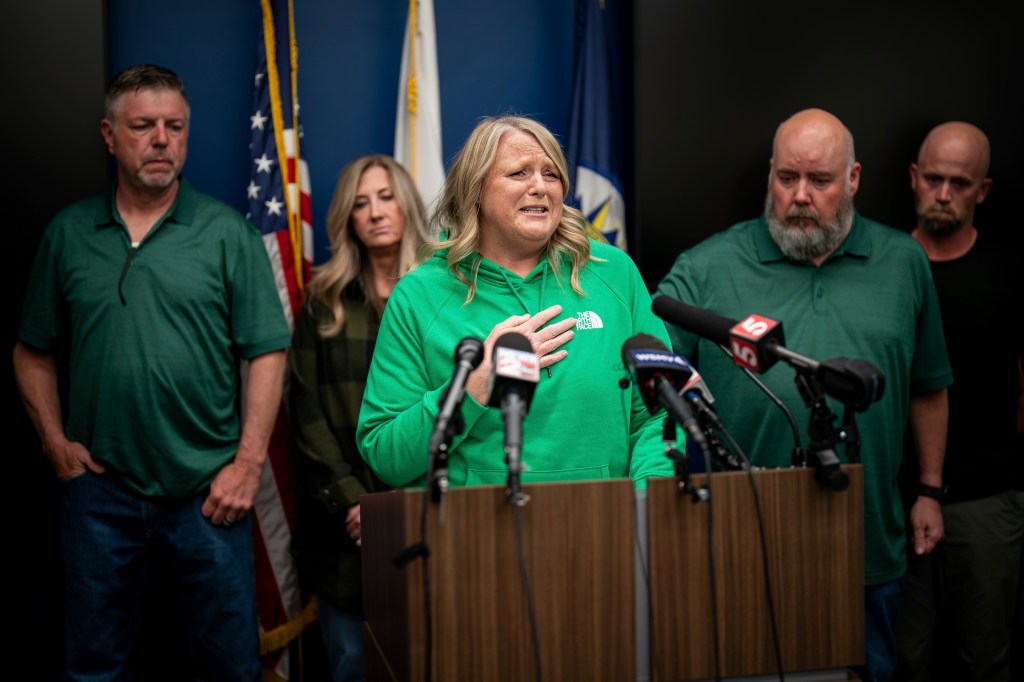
(162, 290)
(844, 286)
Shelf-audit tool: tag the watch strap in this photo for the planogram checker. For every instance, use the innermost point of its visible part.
(936, 493)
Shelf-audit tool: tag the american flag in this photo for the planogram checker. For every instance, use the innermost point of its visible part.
(279, 205)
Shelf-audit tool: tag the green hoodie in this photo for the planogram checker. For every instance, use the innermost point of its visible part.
(580, 425)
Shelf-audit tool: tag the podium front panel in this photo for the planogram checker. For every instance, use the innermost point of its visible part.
(815, 542)
(579, 544)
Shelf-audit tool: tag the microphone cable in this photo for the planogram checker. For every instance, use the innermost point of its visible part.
(712, 580)
(799, 458)
(762, 534)
(524, 572)
(769, 599)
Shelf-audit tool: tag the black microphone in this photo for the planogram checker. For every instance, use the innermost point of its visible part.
(757, 343)
(515, 371)
(468, 355)
(659, 376)
(754, 341)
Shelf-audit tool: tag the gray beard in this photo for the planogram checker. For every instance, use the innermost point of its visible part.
(801, 244)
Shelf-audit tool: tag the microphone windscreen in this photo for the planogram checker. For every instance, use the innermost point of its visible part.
(514, 365)
(471, 350)
(641, 342)
(513, 340)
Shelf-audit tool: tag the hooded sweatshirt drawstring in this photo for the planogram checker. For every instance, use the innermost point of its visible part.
(526, 308)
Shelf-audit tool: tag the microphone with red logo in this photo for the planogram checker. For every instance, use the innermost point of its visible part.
(757, 343)
(515, 371)
(754, 343)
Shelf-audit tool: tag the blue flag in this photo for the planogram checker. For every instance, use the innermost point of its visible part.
(594, 165)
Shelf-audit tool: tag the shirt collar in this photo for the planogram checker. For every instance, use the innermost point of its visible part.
(182, 211)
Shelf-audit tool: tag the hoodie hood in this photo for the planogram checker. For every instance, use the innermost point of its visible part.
(492, 279)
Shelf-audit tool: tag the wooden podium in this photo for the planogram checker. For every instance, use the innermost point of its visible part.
(815, 541)
(579, 548)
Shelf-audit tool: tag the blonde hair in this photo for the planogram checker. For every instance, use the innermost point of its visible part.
(458, 210)
(348, 254)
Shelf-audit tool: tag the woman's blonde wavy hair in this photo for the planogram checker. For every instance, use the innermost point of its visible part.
(348, 254)
(457, 217)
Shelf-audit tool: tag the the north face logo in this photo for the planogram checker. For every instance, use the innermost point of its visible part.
(588, 320)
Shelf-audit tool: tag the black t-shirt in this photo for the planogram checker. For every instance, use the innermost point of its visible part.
(981, 295)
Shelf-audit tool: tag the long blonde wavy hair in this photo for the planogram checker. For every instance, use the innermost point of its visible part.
(457, 217)
(348, 254)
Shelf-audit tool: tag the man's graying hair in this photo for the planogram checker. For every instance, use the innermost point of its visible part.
(140, 77)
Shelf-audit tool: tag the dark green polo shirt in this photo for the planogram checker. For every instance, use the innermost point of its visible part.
(872, 299)
(154, 377)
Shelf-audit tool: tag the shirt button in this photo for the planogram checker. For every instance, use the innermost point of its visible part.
(821, 292)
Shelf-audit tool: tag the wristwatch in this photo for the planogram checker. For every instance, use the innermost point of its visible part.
(937, 494)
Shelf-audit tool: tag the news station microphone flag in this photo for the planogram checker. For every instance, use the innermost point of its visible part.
(279, 206)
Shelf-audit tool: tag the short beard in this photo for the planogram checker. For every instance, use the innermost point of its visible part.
(939, 226)
(808, 244)
(157, 180)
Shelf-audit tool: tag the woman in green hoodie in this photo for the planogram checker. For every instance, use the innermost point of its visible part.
(514, 258)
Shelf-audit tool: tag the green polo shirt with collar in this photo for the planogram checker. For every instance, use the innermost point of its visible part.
(155, 334)
(872, 299)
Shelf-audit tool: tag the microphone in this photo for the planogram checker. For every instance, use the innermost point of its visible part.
(757, 343)
(514, 375)
(753, 342)
(659, 376)
(468, 354)
(697, 393)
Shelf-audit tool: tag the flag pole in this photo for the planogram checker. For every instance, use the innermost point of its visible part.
(295, 203)
(411, 89)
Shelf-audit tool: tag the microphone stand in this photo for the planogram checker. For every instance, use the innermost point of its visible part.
(437, 468)
(682, 463)
(824, 436)
(513, 409)
(852, 435)
(709, 422)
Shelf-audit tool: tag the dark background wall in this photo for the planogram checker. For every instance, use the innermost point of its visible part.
(714, 79)
(53, 67)
(704, 85)
(707, 84)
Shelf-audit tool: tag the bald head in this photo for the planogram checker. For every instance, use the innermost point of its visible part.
(962, 141)
(816, 128)
(949, 179)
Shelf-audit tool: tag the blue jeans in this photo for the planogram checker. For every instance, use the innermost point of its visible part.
(881, 606)
(343, 638)
(110, 539)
